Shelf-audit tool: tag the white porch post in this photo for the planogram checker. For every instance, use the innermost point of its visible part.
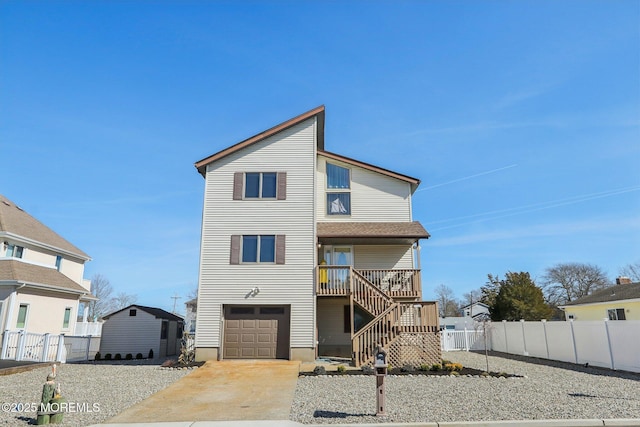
(85, 312)
(10, 308)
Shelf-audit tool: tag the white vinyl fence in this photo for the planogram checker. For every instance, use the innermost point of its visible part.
(608, 344)
(30, 347)
(26, 346)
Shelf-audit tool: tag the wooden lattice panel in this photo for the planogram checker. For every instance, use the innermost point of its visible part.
(415, 349)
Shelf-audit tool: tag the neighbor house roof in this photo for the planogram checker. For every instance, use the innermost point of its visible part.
(157, 312)
(37, 276)
(14, 221)
(318, 112)
(613, 293)
(411, 230)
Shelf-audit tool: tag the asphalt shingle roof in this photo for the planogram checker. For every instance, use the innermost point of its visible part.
(157, 312)
(16, 221)
(22, 272)
(372, 229)
(612, 293)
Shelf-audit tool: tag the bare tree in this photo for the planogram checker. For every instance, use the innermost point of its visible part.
(101, 289)
(566, 282)
(447, 305)
(122, 300)
(631, 271)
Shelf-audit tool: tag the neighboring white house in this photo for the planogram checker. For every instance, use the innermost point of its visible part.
(41, 276)
(139, 329)
(190, 315)
(308, 253)
(470, 314)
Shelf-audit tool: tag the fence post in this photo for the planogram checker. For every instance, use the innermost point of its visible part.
(524, 339)
(606, 327)
(573, 340)
(60, 348)
(86, 356)
(506, 342)
(5, 344)
(546, 340)
(466, 338)
(45, 348)
(20, 346)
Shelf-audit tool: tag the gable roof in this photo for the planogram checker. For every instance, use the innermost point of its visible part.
(318, 112)
(37, 276)
(14, 221)
(612, 293)
(157, 312)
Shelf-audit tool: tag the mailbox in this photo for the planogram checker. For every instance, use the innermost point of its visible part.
(380, 365)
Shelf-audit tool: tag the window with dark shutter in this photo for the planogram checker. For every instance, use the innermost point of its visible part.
(235, 250)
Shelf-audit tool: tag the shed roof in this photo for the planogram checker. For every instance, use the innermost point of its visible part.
(15, 221)
(613, 293)
(38, 276)
(157, 312)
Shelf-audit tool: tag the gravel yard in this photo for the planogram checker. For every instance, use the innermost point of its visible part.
(98, 391)
(546, 392)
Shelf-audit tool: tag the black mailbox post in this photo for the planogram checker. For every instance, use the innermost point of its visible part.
(380, 365)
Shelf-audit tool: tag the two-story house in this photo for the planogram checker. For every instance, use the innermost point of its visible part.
(308, 253)
(41, 275)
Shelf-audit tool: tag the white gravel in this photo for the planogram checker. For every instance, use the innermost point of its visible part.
(546, 392)
(94, 392)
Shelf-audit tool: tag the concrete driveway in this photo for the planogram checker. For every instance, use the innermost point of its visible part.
(222, 391)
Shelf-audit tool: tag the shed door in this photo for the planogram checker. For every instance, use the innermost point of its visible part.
(256, 332)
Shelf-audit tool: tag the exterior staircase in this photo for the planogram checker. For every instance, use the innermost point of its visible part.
(407, 330)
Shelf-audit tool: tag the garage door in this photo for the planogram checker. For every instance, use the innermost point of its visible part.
(256, 332)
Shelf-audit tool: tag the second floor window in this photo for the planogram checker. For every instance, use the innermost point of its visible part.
(338, 190)
(259, 185)
(14, 251)
(259, 249)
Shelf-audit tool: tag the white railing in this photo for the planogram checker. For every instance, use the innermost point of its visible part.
(27, 346)
(81, 348)
(88, 328)
(462, 340)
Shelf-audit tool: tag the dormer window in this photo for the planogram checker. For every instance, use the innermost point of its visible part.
(339, 184)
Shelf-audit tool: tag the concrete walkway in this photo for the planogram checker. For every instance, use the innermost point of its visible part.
(221, 391)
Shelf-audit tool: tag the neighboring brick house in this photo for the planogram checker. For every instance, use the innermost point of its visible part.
(308, 253)
(41, 275)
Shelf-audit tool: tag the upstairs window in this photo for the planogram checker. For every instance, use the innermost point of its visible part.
(58, 262)
(254, 249)
(22, 316)
(338, 190)
(259, 185)
(338, 177)
(14, 251)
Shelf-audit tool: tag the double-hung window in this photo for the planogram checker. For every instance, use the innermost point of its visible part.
(67, 318)
(257, 248)
(22, 316)
(260, 185)
(338, 190)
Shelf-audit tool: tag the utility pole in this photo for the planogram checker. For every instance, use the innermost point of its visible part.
(175, 300)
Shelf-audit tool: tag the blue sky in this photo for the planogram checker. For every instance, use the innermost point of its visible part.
(521, 118)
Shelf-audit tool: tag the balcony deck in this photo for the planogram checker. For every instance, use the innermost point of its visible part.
(401, 283)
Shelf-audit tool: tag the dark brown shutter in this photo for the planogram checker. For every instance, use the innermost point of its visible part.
(235, 250)
(237, 185)
(280, 248)
(282, 186)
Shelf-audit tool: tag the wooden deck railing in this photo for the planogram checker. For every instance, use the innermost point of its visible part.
(368, 296)
(335, 280)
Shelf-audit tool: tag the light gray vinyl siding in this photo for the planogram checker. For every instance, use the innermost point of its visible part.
(374, 197)
(291, 151)
(382, 257)
(124, 334)
(331, 322)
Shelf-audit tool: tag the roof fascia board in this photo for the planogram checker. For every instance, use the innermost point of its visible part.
(51, 287)
(600, 303)
(201, 165)
(413, 181)
(39, 244)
